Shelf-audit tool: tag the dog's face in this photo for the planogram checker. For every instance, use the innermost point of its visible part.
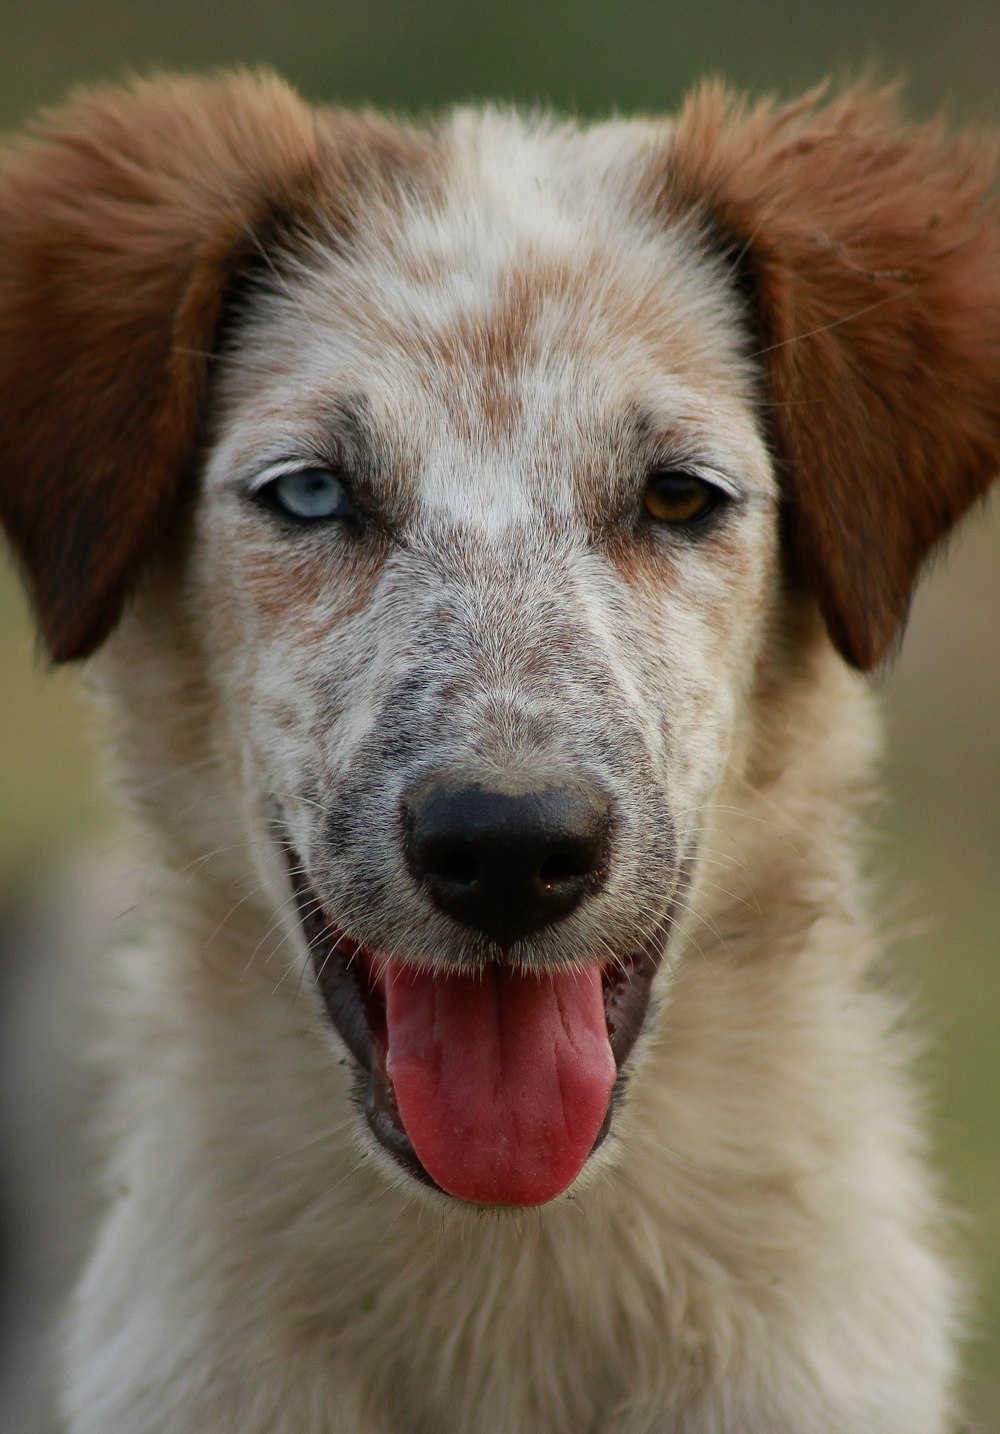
(483, 550)
(524, 449)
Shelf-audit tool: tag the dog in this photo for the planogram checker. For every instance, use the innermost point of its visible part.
(480, 534)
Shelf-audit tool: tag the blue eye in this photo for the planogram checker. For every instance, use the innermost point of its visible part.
(310, 494)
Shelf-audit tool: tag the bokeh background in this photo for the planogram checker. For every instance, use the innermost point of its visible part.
(939, 835)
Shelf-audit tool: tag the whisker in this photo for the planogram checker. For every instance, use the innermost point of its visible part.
(835, 323)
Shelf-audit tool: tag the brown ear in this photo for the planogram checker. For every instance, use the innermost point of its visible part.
(121, 222)
(872, 254)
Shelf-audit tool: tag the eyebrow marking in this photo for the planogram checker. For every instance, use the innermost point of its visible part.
(342, 437)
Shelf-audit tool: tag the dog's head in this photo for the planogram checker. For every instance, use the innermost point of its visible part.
(470, 479)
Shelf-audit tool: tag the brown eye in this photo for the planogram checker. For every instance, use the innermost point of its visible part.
(678, 497)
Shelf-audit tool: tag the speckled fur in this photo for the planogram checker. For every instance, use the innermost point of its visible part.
(503, 342)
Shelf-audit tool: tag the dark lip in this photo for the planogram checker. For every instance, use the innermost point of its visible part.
(357, 1013)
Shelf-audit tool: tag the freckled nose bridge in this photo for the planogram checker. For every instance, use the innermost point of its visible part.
(510, 614)
(508, 822)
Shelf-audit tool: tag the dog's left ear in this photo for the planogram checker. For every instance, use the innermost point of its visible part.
(870, 252)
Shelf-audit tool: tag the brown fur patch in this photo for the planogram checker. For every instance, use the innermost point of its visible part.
(304, 592)
(874, 257)
(495, 347)
(541, 302)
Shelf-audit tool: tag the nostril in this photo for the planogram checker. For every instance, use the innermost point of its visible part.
(453, 864)
(569, 864)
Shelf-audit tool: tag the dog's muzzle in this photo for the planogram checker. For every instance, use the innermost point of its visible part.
(494, 1082)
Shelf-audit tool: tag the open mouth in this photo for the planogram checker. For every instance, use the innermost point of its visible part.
(493, 1086)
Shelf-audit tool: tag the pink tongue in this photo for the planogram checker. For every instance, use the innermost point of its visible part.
(502, 1080)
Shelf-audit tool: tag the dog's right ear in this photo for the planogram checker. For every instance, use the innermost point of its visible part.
(123, 220)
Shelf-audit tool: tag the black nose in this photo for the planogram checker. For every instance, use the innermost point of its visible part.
(507, 864)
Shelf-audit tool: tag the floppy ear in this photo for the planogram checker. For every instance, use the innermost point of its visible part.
(122, 221)
(871, 253)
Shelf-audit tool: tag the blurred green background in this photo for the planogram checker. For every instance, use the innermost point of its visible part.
(940, 835)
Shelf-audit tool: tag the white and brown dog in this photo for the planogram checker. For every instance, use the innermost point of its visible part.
(481, 528)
